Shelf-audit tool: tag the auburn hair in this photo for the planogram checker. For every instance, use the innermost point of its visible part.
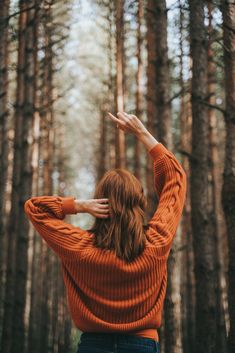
(124, 229)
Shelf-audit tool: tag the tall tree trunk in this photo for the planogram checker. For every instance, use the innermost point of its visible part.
(188, 265)
(102, 143)
(215, 192)
(55, 303)
(120, 135)
(64, 319)
(111, 128)
(34, 315)
(3, 138)
(151, 100)
(162, 127)
(228, 190)
(47, 146)
(26, 177)
(202, 224)
(187, 275)
(16, 204)
(159, 123)
(162, 124)
(139, 89)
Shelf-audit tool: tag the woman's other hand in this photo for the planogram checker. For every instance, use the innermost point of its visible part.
(128, 123)
(96, 207)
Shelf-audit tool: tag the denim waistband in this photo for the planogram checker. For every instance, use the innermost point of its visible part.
(118, 337)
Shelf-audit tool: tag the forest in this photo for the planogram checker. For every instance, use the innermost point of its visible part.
(64, 64)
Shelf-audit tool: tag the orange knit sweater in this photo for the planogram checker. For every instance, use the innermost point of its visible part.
(104, 293)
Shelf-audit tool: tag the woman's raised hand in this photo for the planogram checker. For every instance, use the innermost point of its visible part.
(96, 207)
(128, 123)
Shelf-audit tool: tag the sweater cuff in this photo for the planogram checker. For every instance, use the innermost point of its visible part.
(158, 151)
(68, 205)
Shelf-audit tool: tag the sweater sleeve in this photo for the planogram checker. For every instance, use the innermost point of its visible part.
(46, 213)
(170, 184)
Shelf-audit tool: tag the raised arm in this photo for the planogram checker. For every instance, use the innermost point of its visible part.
(46, 213)
(170, 184)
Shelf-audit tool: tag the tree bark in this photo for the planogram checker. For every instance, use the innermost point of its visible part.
(16, 203)
(159, 123)
(151, 100)
(102, 144)
(4, 58)
(215, 190)
(139, 89)
(26, 175)
(46, 154)
(162, 128)
(111, 87)
(120, 135)
(34, 259)
(186, 268)
(162, 125)
(202, 223)
(228, 189)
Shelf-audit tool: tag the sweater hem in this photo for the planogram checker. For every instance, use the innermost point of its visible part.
(147, 333)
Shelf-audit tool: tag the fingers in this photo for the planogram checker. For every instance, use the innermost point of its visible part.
(102, 216)
(102, 200)
(113, 118)
(116, 120)
(123, 116)
(102, 208)
(101, 203)
(102, 213)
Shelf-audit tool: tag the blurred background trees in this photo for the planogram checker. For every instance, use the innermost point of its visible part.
(63, 65)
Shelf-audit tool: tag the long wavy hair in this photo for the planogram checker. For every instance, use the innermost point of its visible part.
(124, 229)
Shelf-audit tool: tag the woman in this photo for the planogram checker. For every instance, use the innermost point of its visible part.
(116, 273)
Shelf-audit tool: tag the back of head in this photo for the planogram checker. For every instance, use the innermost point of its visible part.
(124, 230)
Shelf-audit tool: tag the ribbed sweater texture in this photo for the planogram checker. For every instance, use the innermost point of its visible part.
(104, 293)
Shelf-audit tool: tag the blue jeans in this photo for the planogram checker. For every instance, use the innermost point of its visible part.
(99, 342)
